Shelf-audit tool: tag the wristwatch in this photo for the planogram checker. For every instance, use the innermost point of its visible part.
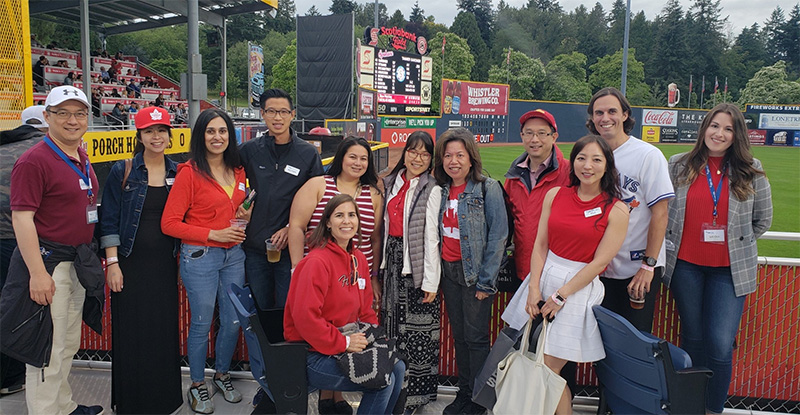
(650, 261)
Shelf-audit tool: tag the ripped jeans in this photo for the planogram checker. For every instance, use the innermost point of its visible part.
(206, 273)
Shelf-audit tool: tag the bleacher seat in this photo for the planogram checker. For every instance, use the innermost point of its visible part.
(284, 362)
(643, 374)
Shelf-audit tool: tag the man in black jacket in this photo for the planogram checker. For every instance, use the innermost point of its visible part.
(277, 165)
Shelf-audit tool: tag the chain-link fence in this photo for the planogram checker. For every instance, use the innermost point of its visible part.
(766, 370)
(16, 89)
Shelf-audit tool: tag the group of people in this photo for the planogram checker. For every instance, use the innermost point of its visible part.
(605, 226)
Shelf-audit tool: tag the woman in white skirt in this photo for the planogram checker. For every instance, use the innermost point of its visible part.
(581, 229)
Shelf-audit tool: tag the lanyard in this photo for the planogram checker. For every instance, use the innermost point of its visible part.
(715, 193)
(82, 175)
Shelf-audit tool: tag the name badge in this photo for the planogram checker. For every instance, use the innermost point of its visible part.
(714, 234)
(592, 212)
(83, 184)
(91, 214)
(294, 171)
(241, 186)
(170, 181)
(362, 283)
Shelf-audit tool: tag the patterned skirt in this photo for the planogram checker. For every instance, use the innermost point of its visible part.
(415, 326)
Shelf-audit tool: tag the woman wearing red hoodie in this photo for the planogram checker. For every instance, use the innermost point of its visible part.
(206, 195)
(331, 288)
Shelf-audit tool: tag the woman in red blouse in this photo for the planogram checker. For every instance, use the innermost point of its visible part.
(581, 229)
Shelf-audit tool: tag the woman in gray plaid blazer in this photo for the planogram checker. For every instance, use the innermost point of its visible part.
(722, 205)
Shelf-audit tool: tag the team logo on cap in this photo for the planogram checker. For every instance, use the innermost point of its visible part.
(73, 91)
(155, 115)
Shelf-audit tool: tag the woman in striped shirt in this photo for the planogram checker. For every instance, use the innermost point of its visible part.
(352, 172)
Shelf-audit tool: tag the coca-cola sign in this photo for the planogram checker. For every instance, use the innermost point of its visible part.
(664, 118)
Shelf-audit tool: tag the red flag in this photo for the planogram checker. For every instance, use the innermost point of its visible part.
(716, 84)
(703, 88)
(690, 85)
(444, 40)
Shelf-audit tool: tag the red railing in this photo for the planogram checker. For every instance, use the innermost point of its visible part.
(766, 360)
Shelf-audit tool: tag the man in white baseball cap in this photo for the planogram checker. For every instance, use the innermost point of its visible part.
(34, 116)
(53, 211)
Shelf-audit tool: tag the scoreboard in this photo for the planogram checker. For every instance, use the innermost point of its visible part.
(400, 81)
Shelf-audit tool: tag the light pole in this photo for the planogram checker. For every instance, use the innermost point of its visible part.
(625, 47)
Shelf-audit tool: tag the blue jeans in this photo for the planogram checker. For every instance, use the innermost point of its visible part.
(710, 313)
(469, 321)
(206, 273)
(268, 281)
(323, 373)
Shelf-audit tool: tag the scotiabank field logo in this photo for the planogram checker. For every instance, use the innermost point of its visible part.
(664, 118)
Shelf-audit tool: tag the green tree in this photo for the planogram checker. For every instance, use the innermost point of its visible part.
(522, 74)
(284, 73)
(313, 11)
(284, 21)
(590, 29)
(417, 13)
(670, 60)
(705, 32)
(342, 6)
(365, 14)
(791, 41)
(770, 86)
(171, 67)
(608, 72)
(397, 19)
(466, 27)
(482, 10)
(775, 34)
(566, 79)
(458, 62)
(246, 26)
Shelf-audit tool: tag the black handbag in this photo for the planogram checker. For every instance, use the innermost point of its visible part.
(372, 367)
(507, 280)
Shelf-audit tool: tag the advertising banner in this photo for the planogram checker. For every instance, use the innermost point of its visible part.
(463, 97)
(757, 137)
(255, 74)
(669, 134)
(689, 124)
(367, 103)
(651, 133)
(664, 118)
(771, 121)
(119, 144)
(395, 131)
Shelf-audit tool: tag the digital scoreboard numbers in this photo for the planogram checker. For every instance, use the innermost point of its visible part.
(398, 82)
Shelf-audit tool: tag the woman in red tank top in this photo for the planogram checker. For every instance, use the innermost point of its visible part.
(581, 229)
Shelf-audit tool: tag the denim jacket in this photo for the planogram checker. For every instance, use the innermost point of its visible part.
(121, 208)
(483, 226)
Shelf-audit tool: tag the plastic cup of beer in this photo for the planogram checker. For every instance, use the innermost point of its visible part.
(636, 303)
(273, 253)
(239, 223)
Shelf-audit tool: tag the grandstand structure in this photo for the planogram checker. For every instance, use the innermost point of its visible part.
(107, 18)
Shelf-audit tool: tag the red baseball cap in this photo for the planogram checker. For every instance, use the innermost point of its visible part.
(539, 113)
(151, 116)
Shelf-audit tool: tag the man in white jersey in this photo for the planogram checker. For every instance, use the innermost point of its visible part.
(637, 269)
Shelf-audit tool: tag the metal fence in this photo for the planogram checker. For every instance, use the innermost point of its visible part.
(766, 370)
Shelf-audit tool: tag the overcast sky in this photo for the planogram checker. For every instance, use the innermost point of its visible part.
(741, 13)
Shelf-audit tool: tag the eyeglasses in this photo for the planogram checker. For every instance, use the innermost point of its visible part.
(424, 155)
(271, 112)
(65, 115)
(539, 134)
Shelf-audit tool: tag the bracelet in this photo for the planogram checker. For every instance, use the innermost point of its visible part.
(557, 298)
(110, 263)
(648, 267)
(112, 259)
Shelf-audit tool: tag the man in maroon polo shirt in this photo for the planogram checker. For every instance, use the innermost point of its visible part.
(53, 197)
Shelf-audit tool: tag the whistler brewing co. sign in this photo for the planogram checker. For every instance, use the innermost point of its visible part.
(399, 38)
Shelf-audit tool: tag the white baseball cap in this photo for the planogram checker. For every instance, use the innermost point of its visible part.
(34, 116)
(64, 93)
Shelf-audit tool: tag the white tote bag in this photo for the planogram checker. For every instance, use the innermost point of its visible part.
(524, 384)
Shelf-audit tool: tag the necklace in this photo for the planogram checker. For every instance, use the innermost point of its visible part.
(717, 168)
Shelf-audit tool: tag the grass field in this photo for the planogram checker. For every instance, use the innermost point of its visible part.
(781, 164)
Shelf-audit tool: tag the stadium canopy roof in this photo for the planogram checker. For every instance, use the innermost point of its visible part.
(111, 17)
